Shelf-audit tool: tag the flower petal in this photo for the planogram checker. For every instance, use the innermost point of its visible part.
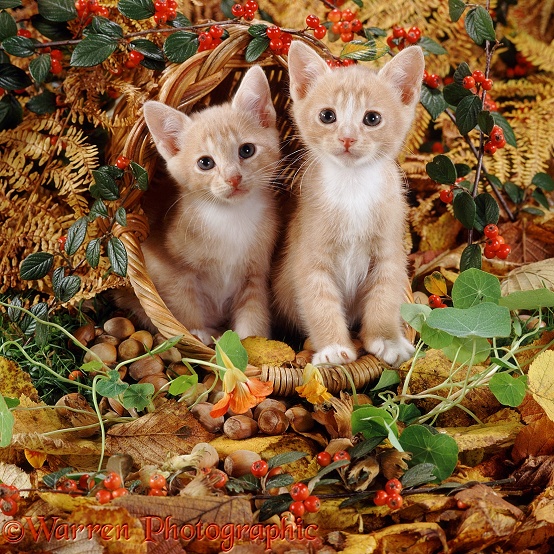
(221, 407)
(259, 388)
(242, 400)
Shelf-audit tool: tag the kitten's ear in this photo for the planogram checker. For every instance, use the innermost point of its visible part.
(254, 96)
(166, 125)
(405, 71)
(305, 65)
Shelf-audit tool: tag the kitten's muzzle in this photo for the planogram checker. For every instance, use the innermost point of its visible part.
(347, 142)
(234, 181)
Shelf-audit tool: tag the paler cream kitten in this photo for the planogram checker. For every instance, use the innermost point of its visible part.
(344, 263)
(213, 228)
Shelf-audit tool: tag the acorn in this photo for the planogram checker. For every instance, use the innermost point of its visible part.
(240, 427)
(146, 366)
(300, 419)
(201, 412)
(105, 351)
(239, 462)
(130, 348)
(119, 327)
(272, 421)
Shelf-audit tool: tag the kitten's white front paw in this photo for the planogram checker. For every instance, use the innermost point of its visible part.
(391, 351)
(205, 335)
(336, 354)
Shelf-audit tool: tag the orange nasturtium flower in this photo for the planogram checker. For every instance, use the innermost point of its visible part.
(312, 388)
(241, 392)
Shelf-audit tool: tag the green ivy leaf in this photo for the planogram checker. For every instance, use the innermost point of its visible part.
(76, 235)
(278, 481)
(36, 266)
(544, 181)
(93, 50)
(256, 47)
(93, 252)
(136, 9)
(454, 93)
(140, 175)
(433, 101)
(57, 10)
(182, 21)
(180, 46)
(408, 413)
(42, 103)
(6, 423)
(487, 211)
(442, 170)
(431, 46)
(474, 286)
(509, 134)
(479, 25)
(439, 449)
(12, 77)
(121, 216)
(138, 396)
(508, 390)
(456, 8)
(22, 47)
(107, 187)
(8, 26)
(467, 112)
(230, 343)
(40, 67)
(462, 169)
(118, 256)
(111, 386)
(464, 209)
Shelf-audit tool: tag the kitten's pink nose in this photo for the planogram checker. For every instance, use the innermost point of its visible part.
(348, 142)
(235, 180)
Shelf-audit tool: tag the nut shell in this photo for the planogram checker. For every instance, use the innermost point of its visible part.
(201, 412)
(273, 422)
(119, 327)
(239, 462)
(105, 351)
(240, 427)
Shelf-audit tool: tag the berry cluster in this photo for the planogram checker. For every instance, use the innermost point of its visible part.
(165, 10)
(9, 496)
(208, 40)
(345, 23)
(303, 501)
(477, 79)
(521, 69)
(88, 8)
(157, 485)
(313, 22)
(113, 487)
(401, 37)
(390, 495)
(24, 33)
(495, 141)
(247, 12)
(279, 40)
(435, 301)
(135, 57)
(56, 57)
(432, 80)
(495, 247)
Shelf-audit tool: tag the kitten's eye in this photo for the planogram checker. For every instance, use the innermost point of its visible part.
(372, 119)
(246, 150)
(327, 116)
(205, 163)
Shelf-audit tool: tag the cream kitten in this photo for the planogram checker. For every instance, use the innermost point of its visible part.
(345, 262)
(213, 237)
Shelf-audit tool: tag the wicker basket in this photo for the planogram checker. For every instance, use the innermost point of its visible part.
(211, 77)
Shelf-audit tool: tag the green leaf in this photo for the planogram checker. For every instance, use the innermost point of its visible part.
(363, 51)
(465, 209)
(51, 29)
(431, 46)
(415, 314)
(408, 413)
(28, 323)
(442, 170)
(257, 30)
(182, 384)
(277, 481)
(461, 71)
(456, 8)
(274, 506)
(180, 46)
(533, 211)
(471, 257)
(509, 134)
(440, 450)
(485, 320)
(103, 26)
(8, 26)
(12, 77)
(508, 390)
(467, 112)
(485, 122)
(136, 9)
(138, 396)
(528, 299)
(121, 216)
(6, 423)
(469, 350)
(76, 235)
(98, 209)
(140, 175)
(419, 474)
(111, 386)
(462, 170)
(153, 56)
(107, 187)
(285, 458)
(10, 4)
(455, 93)
(435, 338)
(544, 181)
(479, 25)
(93, 50)
(433, 101)
(182, 21)
(36, 266)
(365, 447)
(230, 343)
(22, 47)
(42, 103)
(118, 256)
(93, 366)
(57, 10)
(540, 197)
(487, 211)
(473, 287)
(68, 287)
(40, 67)
(13, 313)
(388, 378)
(93, 252)
(256, 47)
(372, 422)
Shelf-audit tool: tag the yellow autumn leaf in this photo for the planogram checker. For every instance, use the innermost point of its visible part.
(541, 381)
(435, 283)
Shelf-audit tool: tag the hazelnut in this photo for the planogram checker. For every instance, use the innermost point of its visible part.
(300, 419)
(269, 403)
(272, 421)
(129, 349)
(240, 427)
(239, 462)
(119, 327)
(145, 338)
(105, 351)
(201, 412)
(147, 366)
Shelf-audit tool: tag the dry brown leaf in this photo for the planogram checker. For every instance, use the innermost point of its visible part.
(536, 439)
(62, 502)
(530, 409)
(262, 351)
(56, 444)
(15, 382)
(541, 381)
(12, 475)
(489, 437)
(418, 506)
(536, 472)
(152, 438)
(488, 520)
(529, 277)
(77, 412)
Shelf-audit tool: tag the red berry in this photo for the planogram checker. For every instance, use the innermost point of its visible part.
(486, 84)
(324, 458)
(493, 244)
(275, 471)
(394, 501)
(461, 505)
(220, 479)
(216, 31)
(432, 80)
(312, 504)
(248, 16)
(259, 468)
(341, 455)
(297, 508)
(122, 162)
(63, 239)
(497, 136)
(446, 195)
(84, 482)
(8, 506)
(112, 481)
(75, 375)
(299, 491)
(469, 82)
(276, 44)
(398, 32)
(380, 498)
(337, 28)
(346, 37)
(160, 18)
(334, 15)
(24, 33)
(237, 10)
(103, 496)
(489, 148)
(273, 32)
(56, 54)
(205, 40)
(251, 6)
(135, 56)
(437, 148)
(504, 251)
(122, 491)
(356, 25)
(157, 481)
(157, 492)
(490, 231)
(479, 76)
(393, 486)
(435, 301)
(411, 37)
(320, 32)
(348, 15)
(56, 67)
(312, 21)
(488, 253)
(416, 31)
